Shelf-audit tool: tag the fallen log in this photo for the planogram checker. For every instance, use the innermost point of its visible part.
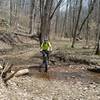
(22, 72)
(33, 36)
(6, 69)
(6, 72)
(9, 76)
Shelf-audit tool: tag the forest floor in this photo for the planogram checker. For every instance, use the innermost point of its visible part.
(67, 78)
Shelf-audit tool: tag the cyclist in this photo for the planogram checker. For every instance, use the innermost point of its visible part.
(45, 49)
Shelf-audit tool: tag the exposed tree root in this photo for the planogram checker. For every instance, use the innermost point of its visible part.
(97, 70)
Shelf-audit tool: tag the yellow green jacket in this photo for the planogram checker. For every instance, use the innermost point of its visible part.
(46, 46)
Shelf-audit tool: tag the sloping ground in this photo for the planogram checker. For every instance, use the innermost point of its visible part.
(11, 38)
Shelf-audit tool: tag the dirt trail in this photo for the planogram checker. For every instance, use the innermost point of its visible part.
(62, 82)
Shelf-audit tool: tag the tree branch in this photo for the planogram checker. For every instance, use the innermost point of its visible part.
(90, 11)
(58, 4)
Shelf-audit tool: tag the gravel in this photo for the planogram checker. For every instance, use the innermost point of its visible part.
(32, 88)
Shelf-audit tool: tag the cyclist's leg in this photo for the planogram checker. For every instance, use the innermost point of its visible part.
(46, 61)
(47, 52)
(46, 65)
(44, 53)
(48, 55)
(43, 62)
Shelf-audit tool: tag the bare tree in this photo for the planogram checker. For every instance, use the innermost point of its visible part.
(65, 19)
(98, 30)
(11, 12)
(91, 7)
(31, 15)
(74, 16)
(57, 21)
(87, 32)
(46, 14)
(76, 26)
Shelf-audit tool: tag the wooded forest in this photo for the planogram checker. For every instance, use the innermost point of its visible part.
(73, 29)
(74, 19)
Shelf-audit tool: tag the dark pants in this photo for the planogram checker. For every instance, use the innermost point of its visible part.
(45, 55)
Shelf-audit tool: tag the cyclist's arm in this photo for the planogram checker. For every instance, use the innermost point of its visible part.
(50, 46)
(41, 47)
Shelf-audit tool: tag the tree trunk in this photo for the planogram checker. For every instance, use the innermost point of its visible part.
(45, 20)
(74, 16)
(57, 21)
(45, 28)
(87, 33)
(46, 15)
(70, 19)
(91, 7)
(11, 12)
(98, 28)
(98, 46)
(31, 15)
(76, 26)
(65, 20)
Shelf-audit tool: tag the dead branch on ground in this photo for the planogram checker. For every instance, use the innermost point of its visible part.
(6, 73)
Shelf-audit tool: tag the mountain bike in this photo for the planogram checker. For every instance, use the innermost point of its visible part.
(44, 64)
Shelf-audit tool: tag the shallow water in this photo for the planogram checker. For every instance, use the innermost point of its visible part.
(66, 74)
